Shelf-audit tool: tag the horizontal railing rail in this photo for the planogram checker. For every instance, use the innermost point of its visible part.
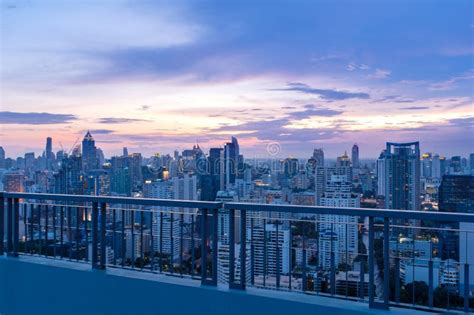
(361, 212)
(116, 200)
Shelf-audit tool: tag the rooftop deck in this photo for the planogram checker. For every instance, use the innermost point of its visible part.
(88, 254)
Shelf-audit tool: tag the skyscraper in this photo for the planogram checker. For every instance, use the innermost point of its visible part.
(318, 155)
(49, 153)
(89, 153)
(402, 176)
(2, 157)
(381, 174)
(471, 163)
(232, 161)
(355, 156)
(456, 194)
(338, 233)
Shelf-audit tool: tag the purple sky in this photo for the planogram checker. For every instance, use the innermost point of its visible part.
(155, 76)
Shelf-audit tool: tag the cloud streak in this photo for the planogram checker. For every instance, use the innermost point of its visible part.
(32, 118)
(327, 94)
(117, 120)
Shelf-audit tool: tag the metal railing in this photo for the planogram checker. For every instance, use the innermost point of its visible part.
(383, 257)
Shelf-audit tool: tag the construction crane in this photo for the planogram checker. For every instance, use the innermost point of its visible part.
(73, 146)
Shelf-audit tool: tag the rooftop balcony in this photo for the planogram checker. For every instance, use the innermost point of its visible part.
(95, 255)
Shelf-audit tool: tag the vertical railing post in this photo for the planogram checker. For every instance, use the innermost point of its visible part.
(386, 261)
(203, 246)
(95, 233)
(430, 283)
(466, 286)
(333, 262)
(362, 278)
(397, 279)
(9, 226)
(243, 249)
(231, 248)
(2, 223)
(103, 240)
(215, 222)
(252, 253)
(16, 226)
(371, 262)
(277, 255)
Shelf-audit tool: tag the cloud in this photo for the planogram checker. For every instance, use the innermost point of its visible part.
(116, 120)
(380, 74)
(451, 83)
(144, 107)
(415, 108)
(101, 131)
(354, 66)
(465, 122)
(326, 94)
(322, 112)
(351, 67)
(32, 118)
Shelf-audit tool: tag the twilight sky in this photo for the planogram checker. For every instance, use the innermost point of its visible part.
(155, 76)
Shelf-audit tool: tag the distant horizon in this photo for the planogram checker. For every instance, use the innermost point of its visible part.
(279, 155)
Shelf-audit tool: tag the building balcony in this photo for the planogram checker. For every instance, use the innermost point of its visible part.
(99, 255)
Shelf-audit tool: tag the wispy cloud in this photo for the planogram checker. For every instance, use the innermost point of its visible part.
(451, 83)
(321, 112)
(101, 131)
(117, 120)
(380, 74)
(32, 118)
(327, 94)
(415, 108)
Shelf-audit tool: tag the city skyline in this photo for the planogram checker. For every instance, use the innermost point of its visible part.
(273, 150)
(158, 77)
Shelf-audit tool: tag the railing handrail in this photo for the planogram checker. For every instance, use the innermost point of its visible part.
(362, 212)
(117, 200)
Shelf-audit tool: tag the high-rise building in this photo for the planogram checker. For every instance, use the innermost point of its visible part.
(402, 176)
(355, 156)
(120, 183)
(318, 155)
(426, 165)
(89, 153)
(223, 263)
(381, 174)
(2, 157)
(456, 194)
(455, 167)
(70, 179)
(338, 233)
(216, 174)
(319, 183)
(14, 182)
(135, 171)
(185, 188)
(166, 224)
(436, 167)
(271, 249)
(290, 167)
(232, 159)
(49, 153)
(471, 163)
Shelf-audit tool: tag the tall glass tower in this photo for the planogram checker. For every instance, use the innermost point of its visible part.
(89, 153)
(402, 176)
